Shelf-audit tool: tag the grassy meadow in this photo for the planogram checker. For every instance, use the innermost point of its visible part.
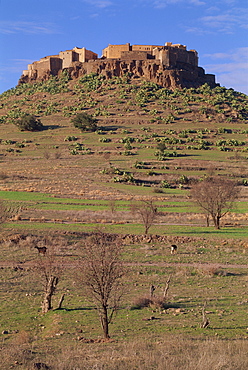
(60, 184)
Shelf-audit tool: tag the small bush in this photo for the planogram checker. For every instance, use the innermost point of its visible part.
(152, 302)
(139, 165)
(165, 184)
(214, 271)
(29, 122)
(157, 303)
(46, 154)
(3, 175)
(104, 140)
(158, 191)
(57, 155)
(71, 138)
(141, 302)
(183, 180)
(84, 122)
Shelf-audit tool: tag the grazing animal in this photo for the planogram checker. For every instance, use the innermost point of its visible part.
(173, 248)
(41, 250)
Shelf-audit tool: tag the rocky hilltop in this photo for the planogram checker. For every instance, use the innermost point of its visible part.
(171, 66)
(150, 70)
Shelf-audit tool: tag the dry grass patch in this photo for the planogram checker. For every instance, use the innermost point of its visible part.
(144, 354)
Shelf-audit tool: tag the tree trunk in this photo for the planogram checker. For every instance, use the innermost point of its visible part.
(147, 228)
(105, 322)
(167, 287)
(49, 291)
(47, 302)
(207, 220)
(216, 220)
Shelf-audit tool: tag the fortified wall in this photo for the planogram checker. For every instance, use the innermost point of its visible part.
(169, 65)
(51, 65)
(169, 55)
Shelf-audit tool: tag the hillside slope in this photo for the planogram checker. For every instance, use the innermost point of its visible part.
(201, 130)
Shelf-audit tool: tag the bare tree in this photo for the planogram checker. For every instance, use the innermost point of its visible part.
(49, 267)
(205, 321)
(152, 290)
(215, 196)
(101, 271)
(147, 210)
(112, 205)
(167, 285)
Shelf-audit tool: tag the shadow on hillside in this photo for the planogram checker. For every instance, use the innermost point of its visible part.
(234, 274)
(210, 231)
(110, 128)
(75, 309)
(52, 127)
(230, 327)
(173, 305)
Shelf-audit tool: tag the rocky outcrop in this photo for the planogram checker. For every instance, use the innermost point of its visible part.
(185, 75)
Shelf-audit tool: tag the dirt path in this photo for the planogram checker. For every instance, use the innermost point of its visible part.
(29, 264)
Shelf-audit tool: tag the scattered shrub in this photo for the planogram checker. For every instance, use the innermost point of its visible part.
(163, 155)
(29, 122)
(140, 165)
(141, 302)
(84, 122)
(104, 140)
(71, 138)
(158, 190)
(165, 184)
(184, 180)
(153, 302)
(125, 177)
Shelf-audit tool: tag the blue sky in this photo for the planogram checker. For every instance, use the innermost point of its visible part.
(217, 29)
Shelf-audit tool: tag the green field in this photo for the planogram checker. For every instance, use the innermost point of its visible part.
(196, 277)
(59, 185)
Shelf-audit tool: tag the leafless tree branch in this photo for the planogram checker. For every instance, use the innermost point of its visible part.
(215, 196)
(101, 273)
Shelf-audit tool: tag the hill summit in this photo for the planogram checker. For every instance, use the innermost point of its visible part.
(171, 66)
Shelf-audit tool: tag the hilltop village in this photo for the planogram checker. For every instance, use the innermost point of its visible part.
(169, 65)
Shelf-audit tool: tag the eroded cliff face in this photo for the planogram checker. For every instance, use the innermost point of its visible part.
(185, 75)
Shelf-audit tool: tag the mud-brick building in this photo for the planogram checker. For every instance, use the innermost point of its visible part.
(169, 55)
(169, 65)
(50, 63)
(76, 55)
(134, 52)
(54, 63)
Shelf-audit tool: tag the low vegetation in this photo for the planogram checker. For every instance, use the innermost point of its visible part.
(28, 122)
(84, 122)
(151, 168)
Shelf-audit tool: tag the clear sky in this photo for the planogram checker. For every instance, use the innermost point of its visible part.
(217, 29)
